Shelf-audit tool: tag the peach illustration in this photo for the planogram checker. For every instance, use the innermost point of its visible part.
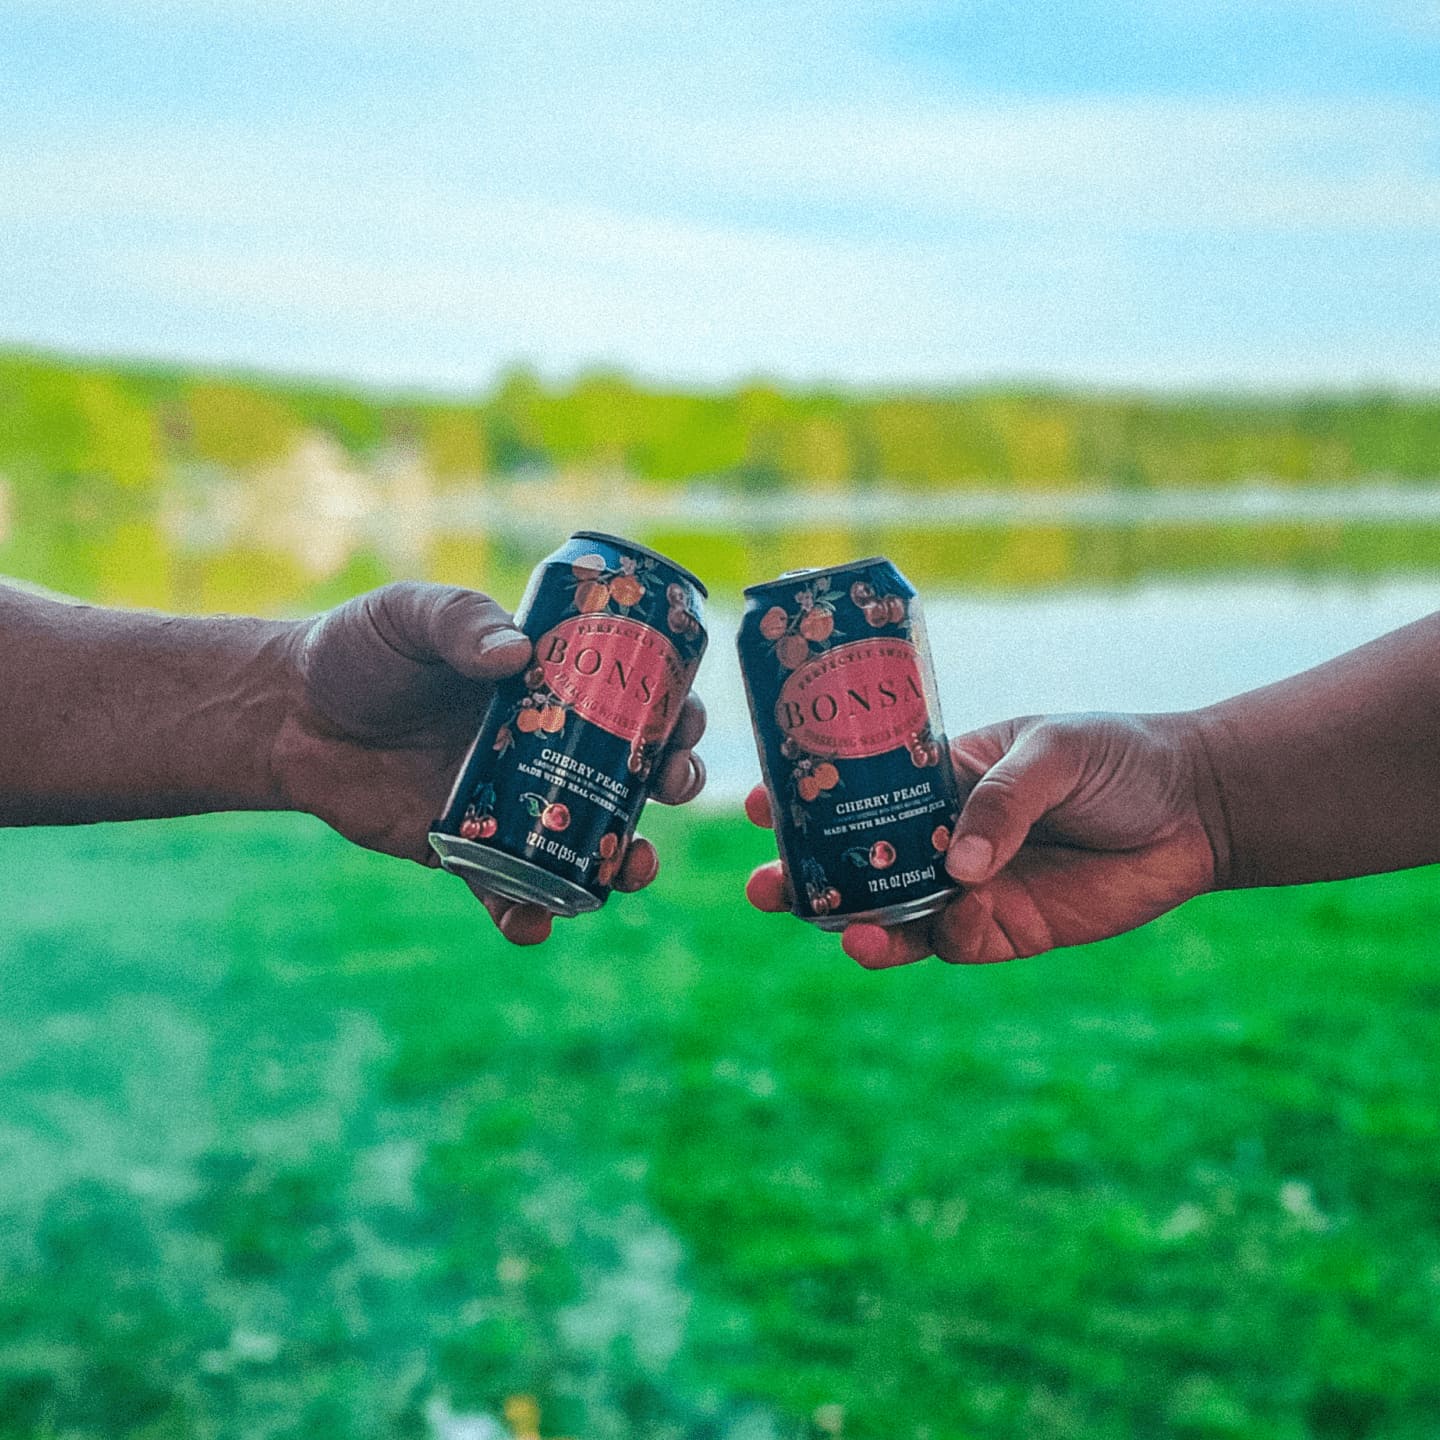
(817, 625)
(792, 650)
(592, 595)
(627, 590)
(774, 622)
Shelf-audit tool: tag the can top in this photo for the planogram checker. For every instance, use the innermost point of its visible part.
(621, 543)
(807, 571)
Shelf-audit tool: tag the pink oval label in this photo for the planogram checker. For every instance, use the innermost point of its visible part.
(855, 700)
(616, 673)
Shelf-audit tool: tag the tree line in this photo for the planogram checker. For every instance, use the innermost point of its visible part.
(82, 425)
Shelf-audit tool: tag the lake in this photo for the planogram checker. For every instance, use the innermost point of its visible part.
(1155, 647)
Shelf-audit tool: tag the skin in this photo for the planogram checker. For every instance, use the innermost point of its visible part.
(1077, 828)
(360, 716)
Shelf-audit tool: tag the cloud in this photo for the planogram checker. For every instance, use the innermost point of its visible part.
(666, 208)
(1123, 164)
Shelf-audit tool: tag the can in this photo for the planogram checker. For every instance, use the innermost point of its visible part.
(549, 794)
(847, 723)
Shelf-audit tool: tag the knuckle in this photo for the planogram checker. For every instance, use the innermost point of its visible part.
(995, 793)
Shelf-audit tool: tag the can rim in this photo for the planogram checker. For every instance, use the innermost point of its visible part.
(897, 914)
(810, 571)
(513, 878)
(620, 542)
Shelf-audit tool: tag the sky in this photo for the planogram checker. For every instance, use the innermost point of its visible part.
(1169, 194)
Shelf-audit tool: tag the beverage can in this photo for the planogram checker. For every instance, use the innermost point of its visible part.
(548, 797)
(852, 748)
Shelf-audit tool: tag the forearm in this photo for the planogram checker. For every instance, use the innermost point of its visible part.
(109, 715)
(1332, 773)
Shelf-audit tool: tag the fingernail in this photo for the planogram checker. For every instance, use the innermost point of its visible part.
(970, 858)
(501, 639)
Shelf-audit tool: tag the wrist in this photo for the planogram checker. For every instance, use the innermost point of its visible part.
(1205, 744)
(281, 710)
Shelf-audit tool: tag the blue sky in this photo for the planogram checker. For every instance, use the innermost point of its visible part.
(1201, 192)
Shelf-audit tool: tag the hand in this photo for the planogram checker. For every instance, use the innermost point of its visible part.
(1076, 828)
(390, 690)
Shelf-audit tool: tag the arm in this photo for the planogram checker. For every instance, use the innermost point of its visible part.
(107, 715)
(360, 716)
(1081, 827)
(1334, 772)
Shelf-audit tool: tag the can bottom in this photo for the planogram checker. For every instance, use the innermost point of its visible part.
(512, 878)
(915, 909)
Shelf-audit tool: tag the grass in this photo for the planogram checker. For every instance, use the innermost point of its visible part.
(291, 1146)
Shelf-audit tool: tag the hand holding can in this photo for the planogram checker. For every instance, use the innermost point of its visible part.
(543, 811)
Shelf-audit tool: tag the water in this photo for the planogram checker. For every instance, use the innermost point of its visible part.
(1157, 647)
(539, 503)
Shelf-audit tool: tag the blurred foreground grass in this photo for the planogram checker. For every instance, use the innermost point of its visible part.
(291, 1146)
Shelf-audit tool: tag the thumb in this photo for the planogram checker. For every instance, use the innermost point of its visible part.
(464, 629)
(1035, 775)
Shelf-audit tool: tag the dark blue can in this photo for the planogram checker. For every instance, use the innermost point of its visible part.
(852, 748)
(549, 795)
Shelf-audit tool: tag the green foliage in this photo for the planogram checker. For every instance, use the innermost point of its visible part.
(97, 461)
(71, 416)
(294, 1145)
(236, 425)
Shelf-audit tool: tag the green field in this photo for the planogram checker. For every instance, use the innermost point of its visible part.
(291, 1146)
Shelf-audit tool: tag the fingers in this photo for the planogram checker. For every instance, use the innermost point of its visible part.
(1035, 775)
(877, 948)
(682, 778)
(468, 631)
(767, 888)
(963, 933)
(976, 751)
(691, 724)
(640, 866)
(873, 946)
(519, 924)
(531, 925)
(966, 933)
(757, 808)
(681, 775)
